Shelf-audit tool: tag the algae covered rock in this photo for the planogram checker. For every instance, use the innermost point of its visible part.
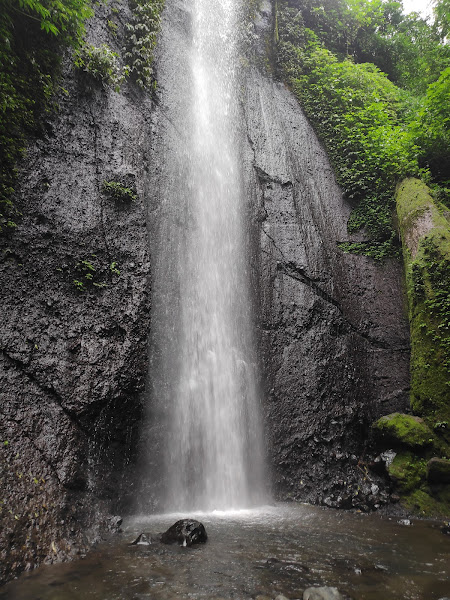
(425, 233)
(399, 429)
(407, 471)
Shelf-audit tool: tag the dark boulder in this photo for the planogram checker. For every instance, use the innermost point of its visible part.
(438, 470)
(185, 532)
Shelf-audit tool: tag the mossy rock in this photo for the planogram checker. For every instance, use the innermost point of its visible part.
(400, 430)
(425, 234)
(407, 471)
(438, 471)
(426, 503)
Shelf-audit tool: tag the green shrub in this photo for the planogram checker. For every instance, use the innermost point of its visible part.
(355, 110)
(101, 63)
(141, 41)
(431, 129)
(32, 36)
(117, 191)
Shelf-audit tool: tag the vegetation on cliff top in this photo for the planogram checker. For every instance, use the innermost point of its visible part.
(34, 34)
(375, 84)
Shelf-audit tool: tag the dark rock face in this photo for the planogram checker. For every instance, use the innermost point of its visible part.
(333, 336)
(185, 533)
(73, 355)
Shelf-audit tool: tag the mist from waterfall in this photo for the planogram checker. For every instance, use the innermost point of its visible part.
(204, 372)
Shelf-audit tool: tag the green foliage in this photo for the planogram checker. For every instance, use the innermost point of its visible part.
(431, 129)
(355, 110)
(112, 27)
(414, 55)
(32, 35)
(117, 191)
(63, 18)
(379, 251)
(375, 133)
(92, 273)
(101, 63)
(405, 47)
(141, 41)
(442, 18)
(113, 268)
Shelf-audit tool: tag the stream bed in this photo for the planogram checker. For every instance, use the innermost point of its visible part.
(280, 549)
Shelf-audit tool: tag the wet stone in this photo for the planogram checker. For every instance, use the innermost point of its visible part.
(143, 539)
(185, 533)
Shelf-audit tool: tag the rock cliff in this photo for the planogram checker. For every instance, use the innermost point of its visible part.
(74, 320)
(334, 341)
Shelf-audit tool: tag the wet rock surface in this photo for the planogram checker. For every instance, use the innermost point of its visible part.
(75, 311)
(185, 533)
(333, 335)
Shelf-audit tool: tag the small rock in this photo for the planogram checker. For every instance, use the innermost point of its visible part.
(142, 540)
(115, 522)
(322, 593)
(388, 456)
(185, 532)
(281, 597)
(406, 522)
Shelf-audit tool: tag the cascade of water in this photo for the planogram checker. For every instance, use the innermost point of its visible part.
(213, 455)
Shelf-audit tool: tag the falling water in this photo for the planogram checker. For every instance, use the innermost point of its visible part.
(206, 372)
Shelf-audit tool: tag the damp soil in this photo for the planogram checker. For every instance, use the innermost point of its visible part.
(280, 549)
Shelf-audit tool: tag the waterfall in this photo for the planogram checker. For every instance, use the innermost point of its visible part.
(203, 366)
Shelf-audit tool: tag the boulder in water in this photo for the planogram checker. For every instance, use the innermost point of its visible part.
(185, 532)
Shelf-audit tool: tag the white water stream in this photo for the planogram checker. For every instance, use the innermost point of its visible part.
(213, 456)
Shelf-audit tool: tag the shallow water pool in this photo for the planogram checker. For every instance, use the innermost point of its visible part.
(277, 549)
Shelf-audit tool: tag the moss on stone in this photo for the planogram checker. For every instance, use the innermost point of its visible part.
(407, 471)
(425, 236)
(399, 429)
(426, 503)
